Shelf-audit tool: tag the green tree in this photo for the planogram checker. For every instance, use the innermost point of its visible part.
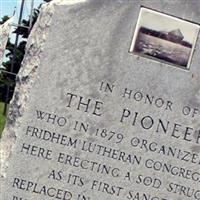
(4, 19)
(8, 79)
(4, 78)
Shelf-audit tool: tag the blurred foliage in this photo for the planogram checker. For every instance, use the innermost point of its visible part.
(23, 32)
(4, 19)
(2, 118)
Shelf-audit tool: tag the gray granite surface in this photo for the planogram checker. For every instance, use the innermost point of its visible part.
(91, 121)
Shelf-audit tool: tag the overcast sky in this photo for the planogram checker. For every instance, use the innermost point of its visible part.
(161, 22)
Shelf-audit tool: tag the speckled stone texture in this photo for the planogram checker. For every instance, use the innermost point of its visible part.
(74, 47)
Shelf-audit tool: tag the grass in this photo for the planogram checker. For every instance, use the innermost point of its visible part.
(2, 118)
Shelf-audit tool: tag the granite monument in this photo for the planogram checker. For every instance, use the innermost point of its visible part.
(107, 105)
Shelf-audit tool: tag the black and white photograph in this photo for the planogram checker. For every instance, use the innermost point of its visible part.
(164, 38)
(99, 100)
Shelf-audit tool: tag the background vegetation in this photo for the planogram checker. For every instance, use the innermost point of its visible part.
(2, 118)
(8, 80)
